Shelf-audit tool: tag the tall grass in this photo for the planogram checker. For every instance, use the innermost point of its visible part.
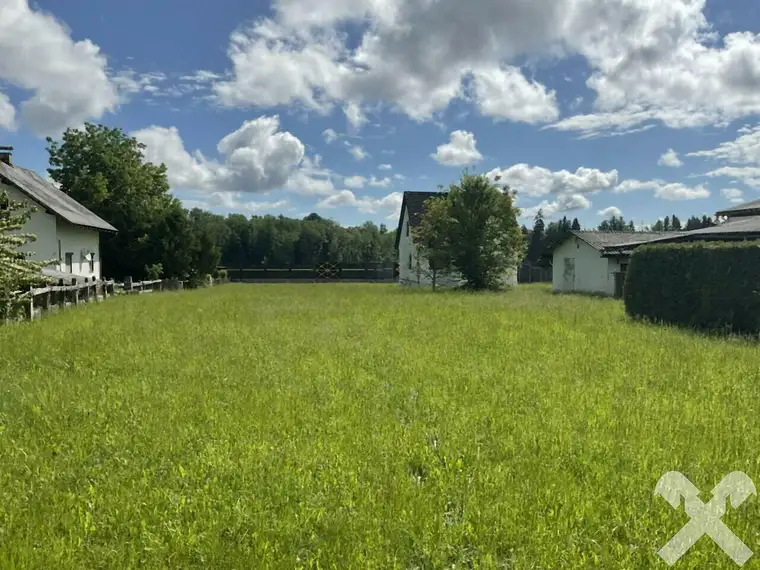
(353, 426)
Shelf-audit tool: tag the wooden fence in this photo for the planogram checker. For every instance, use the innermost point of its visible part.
(40, 300)
(320, 273)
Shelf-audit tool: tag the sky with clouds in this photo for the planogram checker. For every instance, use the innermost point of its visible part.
(587, 107)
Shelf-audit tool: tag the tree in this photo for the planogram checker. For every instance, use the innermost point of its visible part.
(18, 273)
(537, 238)
(104, 170)
(432, 236)
(576, 227)
(675, 223)
(476, 230)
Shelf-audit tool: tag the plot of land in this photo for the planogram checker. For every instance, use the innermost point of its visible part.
(360, 426)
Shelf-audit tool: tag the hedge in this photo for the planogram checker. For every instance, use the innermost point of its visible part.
(703, 285)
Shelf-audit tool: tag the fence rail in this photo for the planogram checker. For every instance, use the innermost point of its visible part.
(321, 273)
(40, 300)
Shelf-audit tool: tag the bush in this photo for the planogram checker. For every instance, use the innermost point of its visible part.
(708, 286)
(221, 273)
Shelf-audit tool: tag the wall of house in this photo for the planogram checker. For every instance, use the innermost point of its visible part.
(419, 275)
(41, 225)
(56, 237)
(80, 242)
(593, 273)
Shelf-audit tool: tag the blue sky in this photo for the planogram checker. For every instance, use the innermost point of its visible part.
(586, 107)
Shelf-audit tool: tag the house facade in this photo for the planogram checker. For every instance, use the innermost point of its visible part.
(66, 231)
(587, 261)
(413, 268)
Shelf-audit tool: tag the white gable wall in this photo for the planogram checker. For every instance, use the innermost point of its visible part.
(419, 274)
(593, 273)
(55, 235)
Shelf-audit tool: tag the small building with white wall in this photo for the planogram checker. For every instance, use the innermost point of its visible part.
(587, 261)
(413, 268)
(66, 231)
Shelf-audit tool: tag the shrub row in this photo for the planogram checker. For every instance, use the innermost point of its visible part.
(708, 286)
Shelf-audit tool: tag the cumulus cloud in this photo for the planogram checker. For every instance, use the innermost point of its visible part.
(255, 158)
(67, 80)
(459, 151)
(743, 154)
(733, 195)
(233, 202)
(650, 61)
(358, 152)
(537, 181)
(390, 204)
(563, 204)
(670, 158)
(610, 212)
(354, 182)
(385, 167)
(380, 183)
(7, 113)
(354, 114)
(664, 190)
(329, 135)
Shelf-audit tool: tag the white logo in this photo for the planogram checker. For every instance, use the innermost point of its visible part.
(705, 518)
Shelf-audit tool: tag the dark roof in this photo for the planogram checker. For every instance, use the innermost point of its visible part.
(739, 227)
(602, 240)
(47, 195)
(414, 202)
(748, 208)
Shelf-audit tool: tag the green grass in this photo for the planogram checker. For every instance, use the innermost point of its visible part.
(360, 426)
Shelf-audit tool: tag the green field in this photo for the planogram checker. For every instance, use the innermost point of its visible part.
(360, 426)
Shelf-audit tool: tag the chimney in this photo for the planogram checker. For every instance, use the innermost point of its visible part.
(5, 154)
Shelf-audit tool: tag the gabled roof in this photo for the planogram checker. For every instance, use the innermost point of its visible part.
(414, 203)
(47, 195)
(746, 209)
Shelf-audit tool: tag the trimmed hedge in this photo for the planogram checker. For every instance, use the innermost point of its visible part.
(703, 285)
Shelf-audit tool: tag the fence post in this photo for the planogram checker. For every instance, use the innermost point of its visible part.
(30, 304)
(127, 284)
(76, 292)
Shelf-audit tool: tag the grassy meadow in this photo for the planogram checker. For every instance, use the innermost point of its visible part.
(361, 426)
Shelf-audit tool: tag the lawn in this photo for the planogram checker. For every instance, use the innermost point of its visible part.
(360, 426)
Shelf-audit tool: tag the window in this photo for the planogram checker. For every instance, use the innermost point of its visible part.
(407, 229)
(410, 261)
(623, 267)
(70, 262)
(92, 263)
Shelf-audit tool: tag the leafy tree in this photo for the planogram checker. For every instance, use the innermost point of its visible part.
(479, 233)
(104, 170)
(432, 237)
(18, 273)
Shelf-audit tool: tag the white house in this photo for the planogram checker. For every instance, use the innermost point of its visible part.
(413, 269)
(65, 230)
(587, 261)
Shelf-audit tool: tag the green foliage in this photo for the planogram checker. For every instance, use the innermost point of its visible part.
(617, 224)
(17, 271)
(473, 231)
(432, 236)
(711, 286)
(294, 426)
(104, 170)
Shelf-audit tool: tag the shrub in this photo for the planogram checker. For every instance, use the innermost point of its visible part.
(708, 286)
(222, 274)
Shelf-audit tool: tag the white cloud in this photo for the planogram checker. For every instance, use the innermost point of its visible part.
(365, 204)
(68, 80)
(664, 190)
(255, 158)
(7, 113)
(381, 183)
(743, 154)
(749, 175)
(537, 181)
(649, 61)
(234, 202)
(563, 204)
(399, 177)
(505, 93)
(354, 182)
(358, 152)
(329, 135)
(610, 212)
(385, 167)
(355, 115)
(733, 195)
(670, 158)
(459, 151)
